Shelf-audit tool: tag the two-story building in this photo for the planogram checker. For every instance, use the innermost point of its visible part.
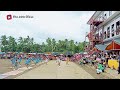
(104, 31)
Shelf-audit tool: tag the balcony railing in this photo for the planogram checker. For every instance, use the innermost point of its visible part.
(96, 23)
(96, 38)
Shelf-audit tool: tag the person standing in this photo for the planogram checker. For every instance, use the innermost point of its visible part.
(16, 64)
(119, 64)
(67, 60)
(27, 61)
(58, 60)
(46, 60)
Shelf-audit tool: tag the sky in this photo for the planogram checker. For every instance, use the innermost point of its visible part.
(71, 25)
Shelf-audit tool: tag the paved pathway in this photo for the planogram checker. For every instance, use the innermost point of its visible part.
(53, 71)
(14, 72)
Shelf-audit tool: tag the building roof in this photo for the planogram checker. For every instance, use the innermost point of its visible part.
(101, 47)
(117, 40)
(114, 45)
(93, 17)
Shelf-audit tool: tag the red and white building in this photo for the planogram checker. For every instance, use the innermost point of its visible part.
(104, 31)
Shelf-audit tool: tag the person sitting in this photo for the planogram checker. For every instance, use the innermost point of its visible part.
(100, 68)
(84, 61)
(119, 64)
(81, 62)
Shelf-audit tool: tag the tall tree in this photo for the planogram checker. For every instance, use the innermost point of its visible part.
(49, 45)
(4, 43)
(20, 45)
(12, 44)
(53, 45)
(72, 46)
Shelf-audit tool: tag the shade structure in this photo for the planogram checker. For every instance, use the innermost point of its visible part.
(114, 45)
(101, 47)
(2, 52)
(55, 53)
(95, 49)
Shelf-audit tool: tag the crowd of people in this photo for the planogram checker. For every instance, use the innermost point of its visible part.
(100, 61)
(29, 58)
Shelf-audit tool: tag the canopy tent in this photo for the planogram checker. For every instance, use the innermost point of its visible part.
(81, 52)
(2, 52)
(68, 53)
(55, 53)
(114, 45)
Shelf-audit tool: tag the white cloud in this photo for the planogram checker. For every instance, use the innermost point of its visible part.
(54, 24)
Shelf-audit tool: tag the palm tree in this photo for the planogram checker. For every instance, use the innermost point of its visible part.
(4, 43)
(4, 40)
(12, 44)
(53, 45)
(49, 45)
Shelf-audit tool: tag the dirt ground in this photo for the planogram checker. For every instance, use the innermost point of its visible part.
(6, 65)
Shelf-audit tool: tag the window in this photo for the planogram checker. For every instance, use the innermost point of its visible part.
(117, 24)
(117, 27)
(105, 16)
(101, 18)
(110, 13)
(112, 30)
(108, 32)
(105, 35)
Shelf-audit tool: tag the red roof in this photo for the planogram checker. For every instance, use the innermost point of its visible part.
(113, 46)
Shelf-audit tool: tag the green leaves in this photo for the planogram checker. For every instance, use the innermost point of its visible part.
(51, 45)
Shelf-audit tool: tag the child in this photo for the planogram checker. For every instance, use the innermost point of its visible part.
(19, 60)
(46, 60)
(13, 62)
(58, 60)
(67, 60)
(27, 62)
(16, 64)
(100, 68)
(81, 62)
